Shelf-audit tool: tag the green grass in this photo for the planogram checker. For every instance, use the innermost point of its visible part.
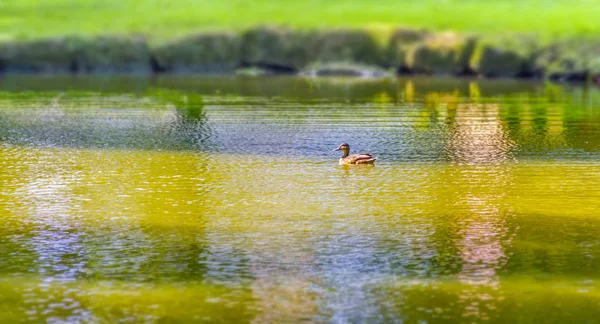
(163, 19)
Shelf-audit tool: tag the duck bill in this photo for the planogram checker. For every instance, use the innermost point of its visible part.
(337, 149)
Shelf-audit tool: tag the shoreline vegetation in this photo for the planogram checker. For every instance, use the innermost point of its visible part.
(340, 51)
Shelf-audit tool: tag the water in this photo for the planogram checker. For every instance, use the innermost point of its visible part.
(219, 200)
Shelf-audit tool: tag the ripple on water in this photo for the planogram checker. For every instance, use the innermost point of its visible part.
(238, 211)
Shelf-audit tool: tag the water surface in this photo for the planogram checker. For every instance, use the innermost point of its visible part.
(219, 200)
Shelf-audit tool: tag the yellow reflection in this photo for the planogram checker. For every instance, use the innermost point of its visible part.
(436, 99)
(474, 92)
(409, 91)
(382, 97)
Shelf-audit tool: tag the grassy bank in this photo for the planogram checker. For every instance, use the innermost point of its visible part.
(163, 20)
(313, 52)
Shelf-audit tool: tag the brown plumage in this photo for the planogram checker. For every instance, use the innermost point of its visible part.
(362, 158)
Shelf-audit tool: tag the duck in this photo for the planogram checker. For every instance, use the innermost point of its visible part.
(347, 159)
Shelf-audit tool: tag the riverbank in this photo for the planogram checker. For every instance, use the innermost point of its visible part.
(279, 50)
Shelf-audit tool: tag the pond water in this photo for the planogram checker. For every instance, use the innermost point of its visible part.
(220, 200)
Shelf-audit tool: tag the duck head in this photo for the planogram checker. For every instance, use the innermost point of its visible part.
(345, 148)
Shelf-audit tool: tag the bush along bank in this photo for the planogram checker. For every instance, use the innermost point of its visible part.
(275, 50)
(105, 54)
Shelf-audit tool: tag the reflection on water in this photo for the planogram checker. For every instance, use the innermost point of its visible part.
(476, 135)
(169, 205)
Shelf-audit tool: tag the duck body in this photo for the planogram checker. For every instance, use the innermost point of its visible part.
(347, 159)
(363, 158)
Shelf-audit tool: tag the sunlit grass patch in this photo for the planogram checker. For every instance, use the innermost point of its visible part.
(159, 19)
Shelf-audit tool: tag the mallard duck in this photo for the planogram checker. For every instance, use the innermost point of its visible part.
(362, 158)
